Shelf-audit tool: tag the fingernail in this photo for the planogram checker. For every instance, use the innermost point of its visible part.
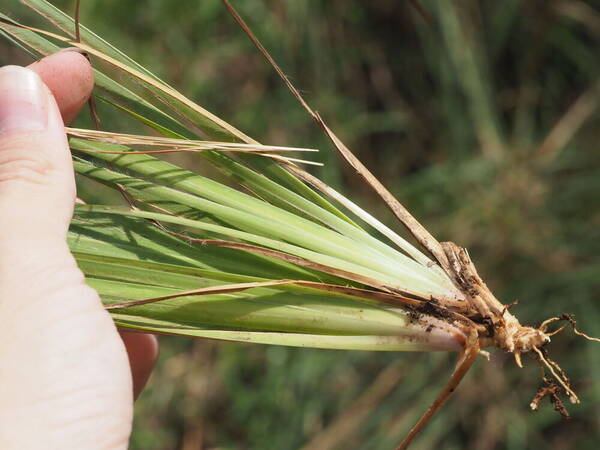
(22, 100)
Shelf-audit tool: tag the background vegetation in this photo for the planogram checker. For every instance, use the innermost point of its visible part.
(481, 117)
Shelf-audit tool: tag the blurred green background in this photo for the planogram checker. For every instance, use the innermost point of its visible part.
(481, 117)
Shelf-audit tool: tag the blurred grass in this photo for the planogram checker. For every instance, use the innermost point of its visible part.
(454, 116)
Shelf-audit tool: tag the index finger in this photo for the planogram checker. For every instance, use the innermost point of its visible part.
(69, 76)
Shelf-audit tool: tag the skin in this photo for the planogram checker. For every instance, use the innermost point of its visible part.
(67, 377)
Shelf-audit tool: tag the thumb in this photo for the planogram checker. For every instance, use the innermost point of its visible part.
(65, 380)
(37, 188)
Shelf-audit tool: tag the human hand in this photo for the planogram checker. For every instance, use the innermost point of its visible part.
(65, 377)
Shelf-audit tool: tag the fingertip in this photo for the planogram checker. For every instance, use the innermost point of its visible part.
(70, 78)
(142, 349)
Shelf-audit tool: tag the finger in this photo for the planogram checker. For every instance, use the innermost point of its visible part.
(65, 380)
(142, 350)
(37, 188)
(69, 76)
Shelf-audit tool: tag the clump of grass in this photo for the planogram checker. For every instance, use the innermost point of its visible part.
(280, 265)
(278, 227)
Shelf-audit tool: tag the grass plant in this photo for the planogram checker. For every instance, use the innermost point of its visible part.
(295, 269)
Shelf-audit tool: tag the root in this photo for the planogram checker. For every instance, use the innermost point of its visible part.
(560, 376)
(569, 318)
(551, 390)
